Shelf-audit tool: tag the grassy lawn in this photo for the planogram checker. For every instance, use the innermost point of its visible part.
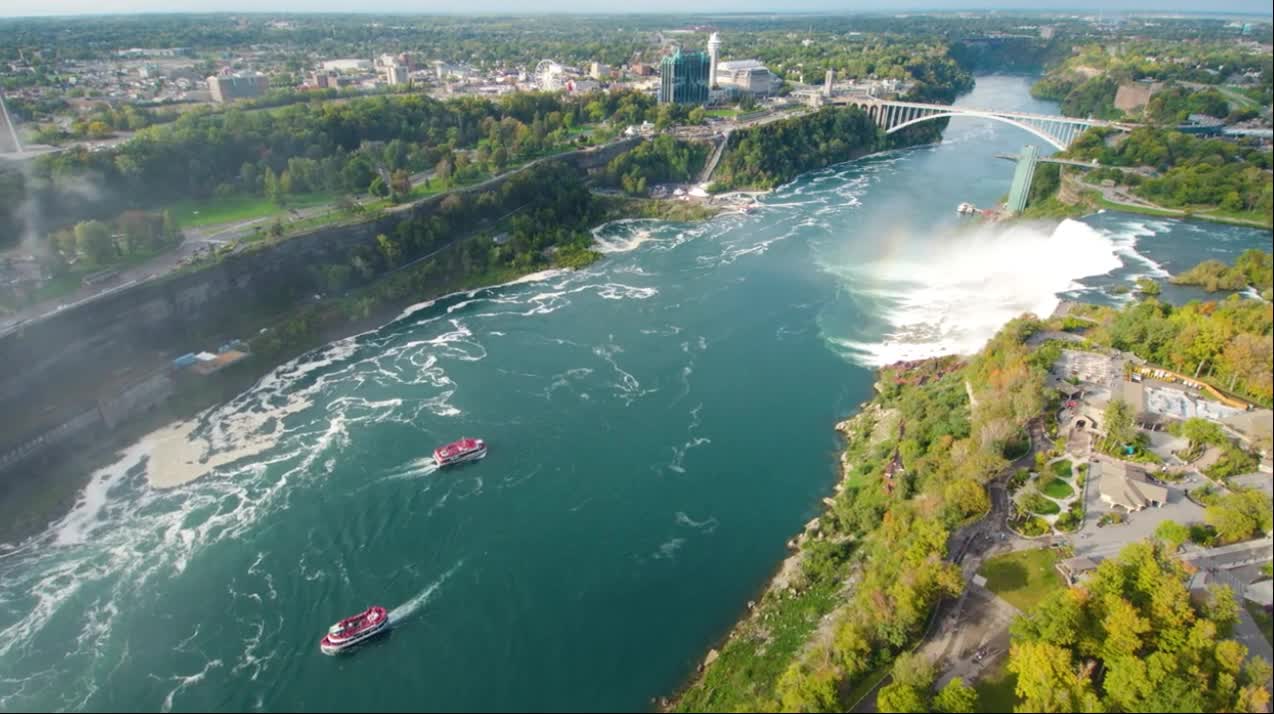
(995, 691)
(1204, 212)
(1264, 621)
(1057, 488)
(1047, 508)
(1062, 468)
(1222, 214)
(207, 212)
(1022, 578)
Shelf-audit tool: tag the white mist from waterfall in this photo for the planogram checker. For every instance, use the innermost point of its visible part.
(950, 294)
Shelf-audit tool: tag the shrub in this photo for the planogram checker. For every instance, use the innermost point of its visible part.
(1033, 526)
(1019, 480)
(1071, 520)
(1112, 518)
(1202, 534)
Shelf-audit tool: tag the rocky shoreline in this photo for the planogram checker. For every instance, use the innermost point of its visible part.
(781, 582)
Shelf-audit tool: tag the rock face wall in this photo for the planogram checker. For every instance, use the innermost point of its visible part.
(99, 349)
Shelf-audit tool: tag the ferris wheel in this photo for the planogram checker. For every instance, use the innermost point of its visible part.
(548, 75)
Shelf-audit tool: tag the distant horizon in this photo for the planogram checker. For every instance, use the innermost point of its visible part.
(115, 8)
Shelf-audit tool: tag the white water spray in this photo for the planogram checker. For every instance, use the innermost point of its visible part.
(950, 298)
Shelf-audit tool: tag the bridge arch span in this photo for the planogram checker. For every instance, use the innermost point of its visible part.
(981, 115)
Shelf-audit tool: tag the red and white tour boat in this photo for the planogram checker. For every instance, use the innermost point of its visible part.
(460, 451)
(353, 630)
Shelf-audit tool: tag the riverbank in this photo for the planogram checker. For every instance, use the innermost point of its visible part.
(782, 610)
(872, 563)
(1075, 198)
(50, 488)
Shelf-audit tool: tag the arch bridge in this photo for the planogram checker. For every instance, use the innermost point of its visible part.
(1059, 131)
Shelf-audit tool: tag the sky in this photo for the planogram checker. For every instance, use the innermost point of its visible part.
(74, 7)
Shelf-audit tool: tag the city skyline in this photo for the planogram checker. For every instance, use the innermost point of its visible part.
(121, 7)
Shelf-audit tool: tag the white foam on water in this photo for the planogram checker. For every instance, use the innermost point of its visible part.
(1126, 237)
(622, 236)
(628, 387)
(416, 468)
(404, 611)
(188, 681)
(539, 277)
(707, 525)
(619, 291)
(951, 295)
(669, 548)
(536, 277)
(679, 453)
(122, 535)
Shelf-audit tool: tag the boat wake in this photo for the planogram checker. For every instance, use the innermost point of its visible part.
(416, 468)
(404, 611)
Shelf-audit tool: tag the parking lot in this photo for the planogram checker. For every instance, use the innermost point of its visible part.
(1107, 541)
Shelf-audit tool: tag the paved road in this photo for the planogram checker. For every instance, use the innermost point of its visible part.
(1117, 196)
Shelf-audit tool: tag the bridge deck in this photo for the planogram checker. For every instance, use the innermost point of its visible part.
(972, 111)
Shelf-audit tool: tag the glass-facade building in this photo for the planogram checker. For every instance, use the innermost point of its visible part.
(683, 78)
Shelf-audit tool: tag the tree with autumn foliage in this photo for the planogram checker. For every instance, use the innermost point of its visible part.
(1131, 639)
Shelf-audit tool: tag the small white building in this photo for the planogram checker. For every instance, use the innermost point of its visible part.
(749, 76)
(347, 65)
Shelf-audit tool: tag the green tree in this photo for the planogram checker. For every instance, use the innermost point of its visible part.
(896, 697)
(499, 158)
(1119, 422)
(389, 248)
(1172, 534)
(1200, 432)
(443, 169)
(1123, 628)
(1134, 622)
(956, 698)
(378, 188)
(93, 239)
(1221, 607)
(400, 184)
(913, 677)
(272, 189)
(803, 690)
(172, 232)
(1240, 515)
(968, 497)
(1047, 681)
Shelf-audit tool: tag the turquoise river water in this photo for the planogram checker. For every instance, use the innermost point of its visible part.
(659, 424)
